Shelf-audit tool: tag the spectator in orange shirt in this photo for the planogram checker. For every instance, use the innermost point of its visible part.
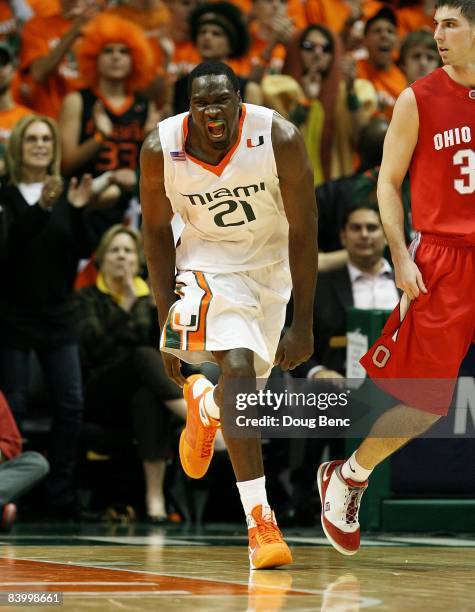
(46, 61)
(419, 55)
(152, 17)
(380, 38)
(12, 16)
(415, 15)
(182, 54)
(295, 9)
(221, 34)
(10, 112)
(271, 29)
(340, 14)
(45, 8)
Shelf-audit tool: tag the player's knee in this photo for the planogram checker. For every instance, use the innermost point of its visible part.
(238, 366)
(422, 421)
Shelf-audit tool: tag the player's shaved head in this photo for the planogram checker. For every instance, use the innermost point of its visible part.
(212, 67)
(466, 7)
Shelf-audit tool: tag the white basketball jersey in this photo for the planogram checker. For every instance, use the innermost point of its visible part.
(233, 212)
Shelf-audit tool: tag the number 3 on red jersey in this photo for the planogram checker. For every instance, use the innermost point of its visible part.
(465, 158)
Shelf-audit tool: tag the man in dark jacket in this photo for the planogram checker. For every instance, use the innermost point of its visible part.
(365, 282)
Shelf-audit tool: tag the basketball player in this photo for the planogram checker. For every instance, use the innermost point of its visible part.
(239, 177)
(432, 133)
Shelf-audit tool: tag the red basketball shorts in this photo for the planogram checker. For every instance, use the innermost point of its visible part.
(418, 356)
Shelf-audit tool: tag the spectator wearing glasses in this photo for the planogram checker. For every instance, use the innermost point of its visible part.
(336, 104)
(45, 238)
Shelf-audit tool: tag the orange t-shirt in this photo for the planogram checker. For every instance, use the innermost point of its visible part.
(41, 8)
(295, 10)
(8, 119)
(184, 59)
(334, 13)
(258, 44)
(185, 56)
(388, 83)
(412, 18)
(39, 36)
(45, 8)
(8, 24)
(151, 22)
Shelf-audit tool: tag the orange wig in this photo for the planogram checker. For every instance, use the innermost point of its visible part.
(104, 30)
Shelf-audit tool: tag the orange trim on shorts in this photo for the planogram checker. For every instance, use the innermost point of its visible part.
(219, 169)
(169, 323)
(196, 339)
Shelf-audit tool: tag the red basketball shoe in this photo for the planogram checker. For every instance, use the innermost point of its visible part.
(340, 506)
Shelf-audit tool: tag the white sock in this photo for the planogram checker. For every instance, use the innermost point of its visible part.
(253, 493)
(211, 407)
(207, 402)
(352, 470)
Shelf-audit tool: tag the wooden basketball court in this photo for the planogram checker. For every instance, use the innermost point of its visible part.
(141, 568)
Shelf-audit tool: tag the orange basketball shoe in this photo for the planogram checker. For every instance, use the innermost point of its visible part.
(266, 544)
(197, 439)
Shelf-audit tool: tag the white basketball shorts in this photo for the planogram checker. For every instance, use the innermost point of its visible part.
(219, 311)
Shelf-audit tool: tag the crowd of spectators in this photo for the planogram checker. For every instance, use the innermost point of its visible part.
(82, 82)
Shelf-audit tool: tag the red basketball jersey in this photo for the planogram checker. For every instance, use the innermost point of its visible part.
(442, 170)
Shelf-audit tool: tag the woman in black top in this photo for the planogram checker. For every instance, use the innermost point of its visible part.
(45, 238)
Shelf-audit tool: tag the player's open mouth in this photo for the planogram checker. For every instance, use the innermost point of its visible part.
(216, 128)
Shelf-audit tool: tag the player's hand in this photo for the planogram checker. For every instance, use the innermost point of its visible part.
(173, 369)
(409, 278)
(295, 347)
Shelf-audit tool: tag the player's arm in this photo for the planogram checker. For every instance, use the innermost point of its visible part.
(298, 194)
(159, 246)
(399, 145)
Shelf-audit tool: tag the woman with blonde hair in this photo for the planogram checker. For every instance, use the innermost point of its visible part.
(45, 238)
(125, 381)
